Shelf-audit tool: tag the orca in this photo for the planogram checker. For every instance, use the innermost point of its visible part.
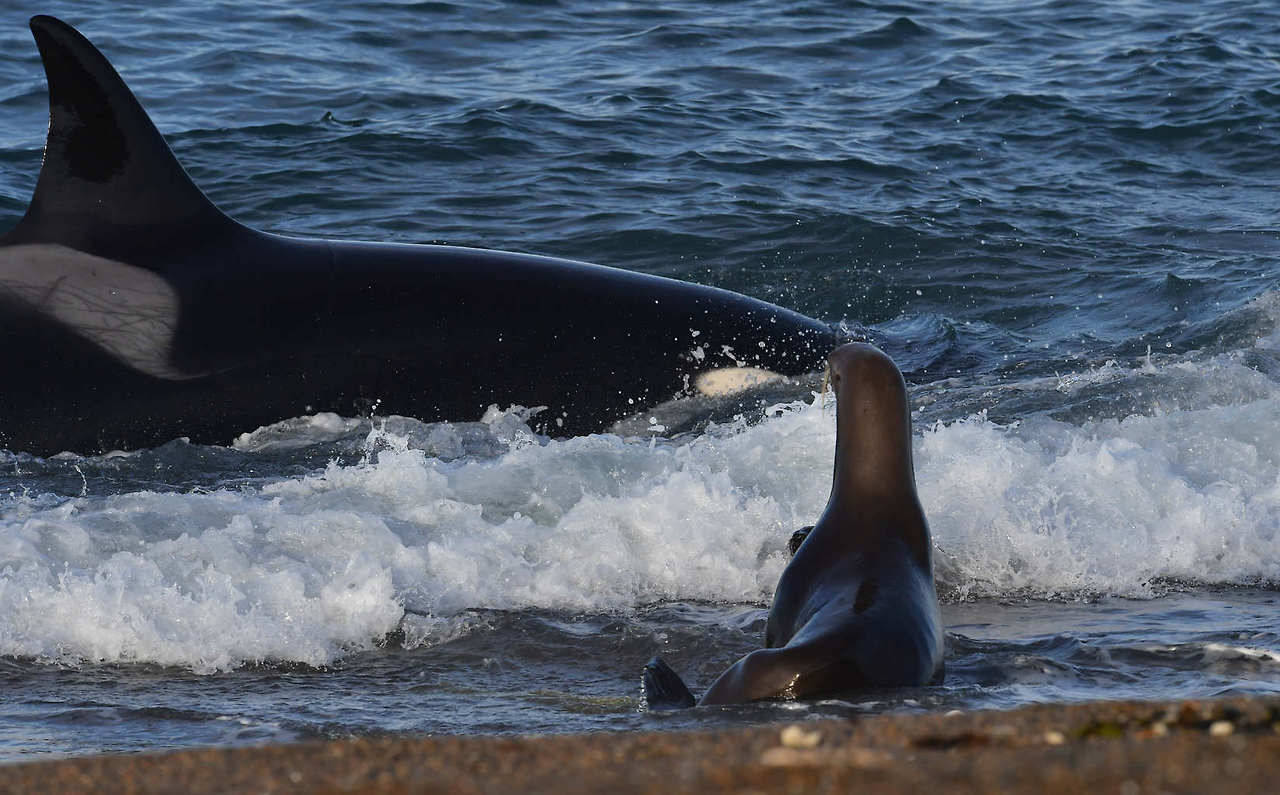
(133, 311)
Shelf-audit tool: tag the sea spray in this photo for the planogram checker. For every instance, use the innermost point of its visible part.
(310, 568)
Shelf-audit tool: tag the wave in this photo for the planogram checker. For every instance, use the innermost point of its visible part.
(431, 521)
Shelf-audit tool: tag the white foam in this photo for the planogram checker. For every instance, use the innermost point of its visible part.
(1219, 652)
(309, 568)
(1109, 507)
(298, 432)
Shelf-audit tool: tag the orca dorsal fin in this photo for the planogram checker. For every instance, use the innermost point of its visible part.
(109, 183)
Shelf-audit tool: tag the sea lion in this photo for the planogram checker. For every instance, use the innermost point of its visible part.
(856, 607)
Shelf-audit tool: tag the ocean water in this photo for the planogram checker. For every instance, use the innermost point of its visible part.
(1060, 218)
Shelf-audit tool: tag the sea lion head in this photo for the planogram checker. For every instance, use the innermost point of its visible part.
(873, 423)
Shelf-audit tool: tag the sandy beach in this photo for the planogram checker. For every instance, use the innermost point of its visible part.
(1230, 745)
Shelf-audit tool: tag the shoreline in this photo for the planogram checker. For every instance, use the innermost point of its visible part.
(1128, 747)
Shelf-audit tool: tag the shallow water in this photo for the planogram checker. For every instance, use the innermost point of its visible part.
(1058, 218)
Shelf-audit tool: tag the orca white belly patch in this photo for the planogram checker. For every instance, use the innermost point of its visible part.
(129, 312)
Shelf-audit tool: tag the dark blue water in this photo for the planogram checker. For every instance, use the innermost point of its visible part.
(1059, 217)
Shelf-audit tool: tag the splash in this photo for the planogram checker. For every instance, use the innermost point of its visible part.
(429, 523)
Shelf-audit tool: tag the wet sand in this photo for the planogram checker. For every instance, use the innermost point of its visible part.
(1230, 745)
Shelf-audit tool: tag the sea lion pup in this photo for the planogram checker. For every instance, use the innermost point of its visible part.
(856, 606)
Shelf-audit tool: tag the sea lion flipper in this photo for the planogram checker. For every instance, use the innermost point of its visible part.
(663, 688)
(797, 538)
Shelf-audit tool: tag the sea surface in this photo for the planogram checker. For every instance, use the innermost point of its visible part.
(1061, 218)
